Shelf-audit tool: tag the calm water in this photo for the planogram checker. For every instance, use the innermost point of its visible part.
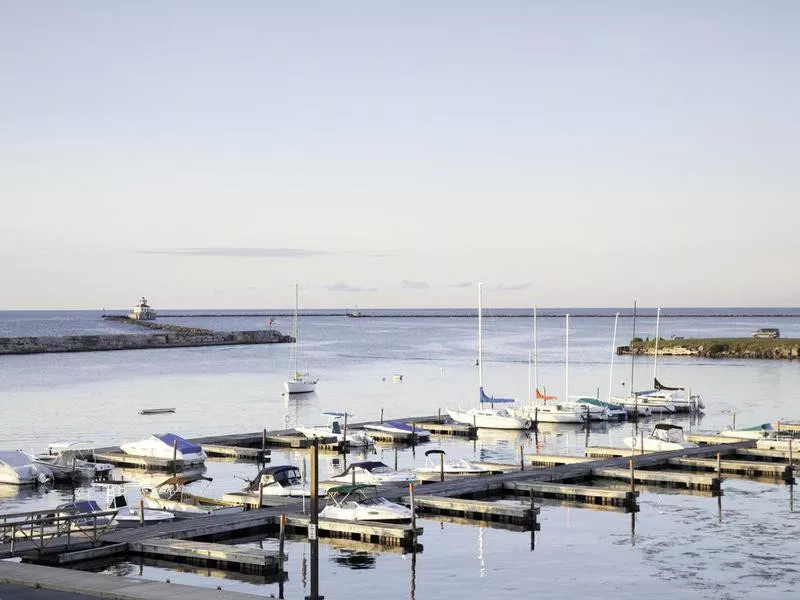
(689, 546)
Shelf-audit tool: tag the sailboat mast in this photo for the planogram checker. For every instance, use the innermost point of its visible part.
(480, 334)
(566, 366)
(655, 354)
(295, 327)
(633, 357)
(535, 352)
(613, 352)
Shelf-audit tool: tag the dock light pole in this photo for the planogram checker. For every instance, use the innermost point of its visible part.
(313, 522)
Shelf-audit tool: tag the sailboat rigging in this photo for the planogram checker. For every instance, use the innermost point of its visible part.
(298, 383)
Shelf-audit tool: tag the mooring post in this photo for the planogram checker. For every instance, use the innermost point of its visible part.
(395, 458)
(441, 467)
(439, 420)
(633, 483)
(260, 494)
(141, 512)
(641, 441)
(344, 432)
(174, 457)
(73, 469)
(281, 537)
(719, 466)
(381, 416)
(521, 458)
(264, 448)
(536, 418)
(413, 433)
(734, 420)
(791, 464)
(413, 515)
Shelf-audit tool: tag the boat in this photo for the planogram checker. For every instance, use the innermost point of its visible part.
(399, 430)
(171, 495)
(131, 516)
(483, 416)
(610, 410)
(156, 411)
(167, 446)
(362, 503)
(541, 411)
(757, 432)
(682, 402)
(664, 436)
(298, 383)
(20, 468)
(432, 470)
(142, 311)
(280, 480)
(60, 456)
(334, 429)
(373, 472)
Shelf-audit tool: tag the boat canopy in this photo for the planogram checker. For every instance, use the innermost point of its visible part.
(181, 444)
(660, 386)
(348, 489)
(182, 480)
(492, 400)
(334, 415)
(667, 432)
(79, 507)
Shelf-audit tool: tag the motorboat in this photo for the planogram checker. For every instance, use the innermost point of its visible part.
(334, 429)
(485, 414)
(74, 461)
(600, 410)
(171, 495)
(362, 503)
(298, 383)
(131, 516)
(664, 436)
(644, 404)
(165, 445)
(21, 468)
(400, 430)
(757, 432)
(373, 472)
(432, 470)
(280, 480)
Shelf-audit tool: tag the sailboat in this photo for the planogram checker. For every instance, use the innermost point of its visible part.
(489, 417)
(298, 383)
(542, 412)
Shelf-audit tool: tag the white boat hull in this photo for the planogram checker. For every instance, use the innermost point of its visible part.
(300, 386)
(548, 414)
(485, 419)
(385, 512)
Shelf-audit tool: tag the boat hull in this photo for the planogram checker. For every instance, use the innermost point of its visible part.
(489, 421)
(300, 386)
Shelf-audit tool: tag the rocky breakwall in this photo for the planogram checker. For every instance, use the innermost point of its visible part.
(781, 349)
(168, 339)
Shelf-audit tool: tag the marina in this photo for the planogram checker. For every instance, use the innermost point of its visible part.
(534, 475)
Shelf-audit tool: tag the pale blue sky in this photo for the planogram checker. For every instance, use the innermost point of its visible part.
(210, 154)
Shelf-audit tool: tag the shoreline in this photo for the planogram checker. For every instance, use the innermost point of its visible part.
(772, 349)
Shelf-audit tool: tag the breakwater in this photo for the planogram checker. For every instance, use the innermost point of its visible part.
(781, 348)
(166, 339)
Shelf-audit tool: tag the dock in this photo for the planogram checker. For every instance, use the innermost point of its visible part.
(578, 493)
(120, 459)
(475, 510)
(442, 427)
(384, 534)
(242, 558)
(663, 478)
(256, 454)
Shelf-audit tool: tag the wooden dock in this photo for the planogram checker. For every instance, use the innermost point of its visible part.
(663, 478)
(751, 468)
(240, 452)
(553, 460)
(384, 534)
(475, 510)
(242, 558)
(447, 428)
(578, 493)
(121, 459)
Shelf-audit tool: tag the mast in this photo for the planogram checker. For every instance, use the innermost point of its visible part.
(655, 355)
(295, 328)
(480, 334)
(633, 355)
(566, 365)
(613, 352)
(535, 352)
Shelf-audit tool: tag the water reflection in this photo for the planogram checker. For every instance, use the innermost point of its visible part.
(354, 559)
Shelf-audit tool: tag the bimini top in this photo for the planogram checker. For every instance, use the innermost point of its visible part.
(666, 426)
(277, 470)
(347, 489)
(492, 400)
(183, 445)
(367, 465)
(80, 507)
(183, 480)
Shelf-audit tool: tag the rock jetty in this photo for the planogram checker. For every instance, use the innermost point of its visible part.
(782, 348)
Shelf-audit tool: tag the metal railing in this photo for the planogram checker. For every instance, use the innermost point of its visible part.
(41, 527)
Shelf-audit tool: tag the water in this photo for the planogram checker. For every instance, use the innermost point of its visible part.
(681, 545)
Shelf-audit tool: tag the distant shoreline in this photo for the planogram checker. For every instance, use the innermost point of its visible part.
(487, 312)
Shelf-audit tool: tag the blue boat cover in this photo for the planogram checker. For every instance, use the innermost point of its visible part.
(182, 444)
(492, 400)
(399, 425)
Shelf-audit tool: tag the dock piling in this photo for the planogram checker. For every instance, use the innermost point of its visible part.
(264, 448)
(381, 416)
(521, 458)
(413, 514)
(260, 494)
(174, 457)
(141, 512)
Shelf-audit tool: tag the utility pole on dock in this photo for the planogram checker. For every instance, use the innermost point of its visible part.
(313, 522)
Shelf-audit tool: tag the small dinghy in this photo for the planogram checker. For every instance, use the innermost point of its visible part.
(156, 411)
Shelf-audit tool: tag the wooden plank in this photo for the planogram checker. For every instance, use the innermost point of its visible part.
(764, 454)
(367, 531)
(235, 451)
(92, 553)
(739, 467)
(461, 506)
(707, 438)
(144, 462)
(608, 452)
(592, 495)
(685, 480)
(553, 460)
(454, 429)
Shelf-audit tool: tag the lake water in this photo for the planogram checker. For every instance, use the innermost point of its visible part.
(682, 546)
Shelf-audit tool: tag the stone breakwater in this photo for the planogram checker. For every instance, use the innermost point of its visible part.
(168, 339)
(781, 349)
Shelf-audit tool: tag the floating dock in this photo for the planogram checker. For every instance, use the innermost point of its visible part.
(576, 493)
(384, 534)
(256, 454)
(121, 459)
(241, 558)
(475, 510)
(706, 483)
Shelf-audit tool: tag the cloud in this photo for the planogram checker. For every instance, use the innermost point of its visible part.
(511, 288)
(244, 252)
(464, 284)
(341, 286)
(414, 285)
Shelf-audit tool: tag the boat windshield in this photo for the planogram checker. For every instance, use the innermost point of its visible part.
(668, 434)
(288, 477)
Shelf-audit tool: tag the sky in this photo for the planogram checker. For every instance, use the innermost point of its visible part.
(566, 153)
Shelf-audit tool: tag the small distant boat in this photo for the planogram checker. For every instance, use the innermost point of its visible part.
(397, 377)
(142, 311)
(373, 472)
(298, 383)
(399, 430)
(664, 436)
(362, 503)
(156, 411)
(20, 468)
(163, 445)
